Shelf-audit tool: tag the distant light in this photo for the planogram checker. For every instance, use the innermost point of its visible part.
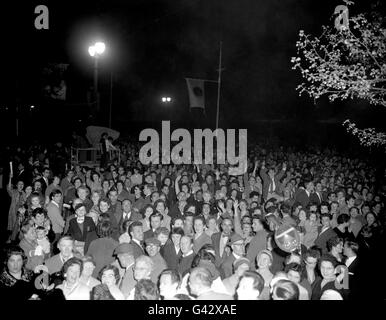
(166, 99)
(32, 107)
(100, 47)
(91, 51)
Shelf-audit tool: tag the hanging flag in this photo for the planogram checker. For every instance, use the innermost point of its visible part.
(196, 93)
(54, 83)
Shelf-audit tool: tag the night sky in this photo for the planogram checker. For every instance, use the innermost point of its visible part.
(152, 45)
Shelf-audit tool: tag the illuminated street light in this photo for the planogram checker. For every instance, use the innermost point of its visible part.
(166, 99)
(95, 51)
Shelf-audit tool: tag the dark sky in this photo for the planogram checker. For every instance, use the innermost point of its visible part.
(152, 45)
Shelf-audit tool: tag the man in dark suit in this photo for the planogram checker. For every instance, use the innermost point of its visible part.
(353, 264)
(271, 181)
(171, 251)
(185, 263)
(44, 179)
(325, 233)
(220, 240)
(115, 205)
(177, 210)
(125, 257)
(258, 242)
(303, 194)
(155, 222)
(127, 214)
(318, 196)
(81, 226)
(22, 175)
(136, 233)
(236, 242)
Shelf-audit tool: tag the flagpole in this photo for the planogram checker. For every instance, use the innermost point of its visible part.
(219, 86)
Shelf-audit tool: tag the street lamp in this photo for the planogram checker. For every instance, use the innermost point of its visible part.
(166, 99)
(95, 51)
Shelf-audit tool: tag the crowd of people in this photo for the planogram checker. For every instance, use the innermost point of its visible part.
(128, 231)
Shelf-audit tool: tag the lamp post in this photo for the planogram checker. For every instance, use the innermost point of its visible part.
(96, 51)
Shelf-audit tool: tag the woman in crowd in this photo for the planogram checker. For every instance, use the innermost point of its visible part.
(72, 287)
(16, 281)
(105, 188)
(147, 211)
(335, 248)
(310, 274)
(94, 183)
(122, 192)
(86, 275)
(327, 267)
(108, 289)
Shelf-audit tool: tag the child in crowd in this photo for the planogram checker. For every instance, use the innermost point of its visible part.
(43, 241)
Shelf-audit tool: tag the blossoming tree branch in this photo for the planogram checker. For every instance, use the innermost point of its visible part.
(347, 61)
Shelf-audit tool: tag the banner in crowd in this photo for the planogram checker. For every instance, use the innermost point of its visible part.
(196, 91)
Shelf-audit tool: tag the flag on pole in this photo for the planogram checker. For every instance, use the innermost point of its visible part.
(196, 91)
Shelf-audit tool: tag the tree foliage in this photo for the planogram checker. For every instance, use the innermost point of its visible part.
(346, 63)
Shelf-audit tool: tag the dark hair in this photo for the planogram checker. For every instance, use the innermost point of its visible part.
(25, 227)
(353, 246)
(179, 231)
(145, 289)
(110, 267)
(161, 230)
(202, 254)
(15, 251)
(328, 258)
(54, 193)
(312, 252)
(134, 224)
(181, 296)
(201, 218)
(104, 229)
(343, 218)
(333, 242)
(293, 266)
(157, 215)
(125, 226)
(70, 262)
(286, 290)
(37, 211)
(158, 201)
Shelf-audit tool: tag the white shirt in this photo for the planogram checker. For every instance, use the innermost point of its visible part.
(188, 254)
(137, 242)
(223, 243)
(350, 260)
(126, 215)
